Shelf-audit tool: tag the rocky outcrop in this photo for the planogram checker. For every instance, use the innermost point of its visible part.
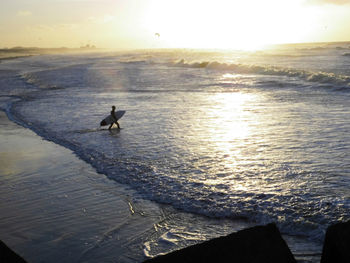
(8, 256)
(336, 247)
(258, 244)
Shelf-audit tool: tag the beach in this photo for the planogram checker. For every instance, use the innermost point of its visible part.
(57, 208)
(147, 131)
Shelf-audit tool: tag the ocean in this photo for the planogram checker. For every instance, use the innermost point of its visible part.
(253, 136)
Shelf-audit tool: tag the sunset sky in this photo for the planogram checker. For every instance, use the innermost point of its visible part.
(181, 23)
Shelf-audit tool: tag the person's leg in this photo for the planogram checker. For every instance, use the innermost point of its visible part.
(117, 124)
(110, 126)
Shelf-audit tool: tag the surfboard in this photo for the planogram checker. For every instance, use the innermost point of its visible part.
(109, 119)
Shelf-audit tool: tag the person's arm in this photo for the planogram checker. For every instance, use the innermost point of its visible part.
(113, 115)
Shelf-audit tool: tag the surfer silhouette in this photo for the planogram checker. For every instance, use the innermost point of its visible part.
(114, 117)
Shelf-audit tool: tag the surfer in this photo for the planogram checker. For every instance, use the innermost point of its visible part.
(114, 117)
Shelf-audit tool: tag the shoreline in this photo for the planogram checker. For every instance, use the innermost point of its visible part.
(22, 52)
(56, 207)
(51, 215)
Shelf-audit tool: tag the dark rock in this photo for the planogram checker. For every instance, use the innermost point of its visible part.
(8, 256)
(336, 247)
(258, 244)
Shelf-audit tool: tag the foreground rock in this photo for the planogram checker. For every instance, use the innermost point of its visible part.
(8, 256)
(336, 247)
(258, 244)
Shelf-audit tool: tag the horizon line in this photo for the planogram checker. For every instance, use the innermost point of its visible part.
(93, 47)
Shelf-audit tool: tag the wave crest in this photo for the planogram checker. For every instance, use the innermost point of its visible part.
(320, 77)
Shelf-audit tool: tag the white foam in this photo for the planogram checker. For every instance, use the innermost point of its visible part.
(319, 77)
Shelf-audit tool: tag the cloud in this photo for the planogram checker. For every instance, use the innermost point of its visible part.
(332, 2)
(24, 13)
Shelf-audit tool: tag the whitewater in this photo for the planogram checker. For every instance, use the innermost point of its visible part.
(228, 135)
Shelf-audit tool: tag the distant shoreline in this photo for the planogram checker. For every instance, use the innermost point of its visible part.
(20, 52)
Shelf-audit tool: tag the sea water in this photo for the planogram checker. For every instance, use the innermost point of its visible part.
(257, 136)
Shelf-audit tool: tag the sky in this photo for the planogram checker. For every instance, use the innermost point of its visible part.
(121, 24)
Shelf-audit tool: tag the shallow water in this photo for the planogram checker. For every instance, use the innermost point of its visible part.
(54, 207)
(262, 136)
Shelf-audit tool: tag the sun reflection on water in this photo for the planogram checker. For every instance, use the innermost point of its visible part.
(222, 136)
(230, 123)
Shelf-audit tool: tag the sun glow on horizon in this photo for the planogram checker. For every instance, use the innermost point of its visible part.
(134, 24)
(246, 25)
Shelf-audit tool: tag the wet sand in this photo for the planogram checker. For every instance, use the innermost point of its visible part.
(56, 208)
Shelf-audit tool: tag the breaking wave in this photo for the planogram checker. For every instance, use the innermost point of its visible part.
(319, 77)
